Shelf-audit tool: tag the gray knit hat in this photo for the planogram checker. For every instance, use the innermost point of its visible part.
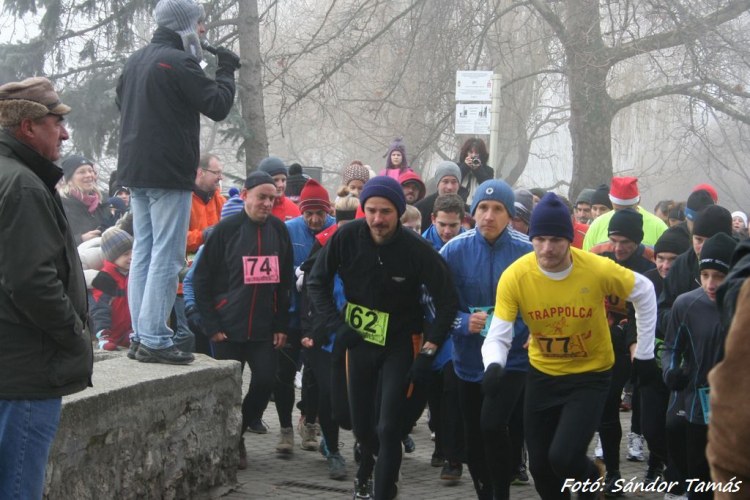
(115, 242)
(273, 165)
(585, 196)
(447, 168)
(178, 15)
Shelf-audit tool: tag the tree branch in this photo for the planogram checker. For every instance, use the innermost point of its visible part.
(717, 105)
(535, 73)
(552, 19)
(646, 94)
(679, 35)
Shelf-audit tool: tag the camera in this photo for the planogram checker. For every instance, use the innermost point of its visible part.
(476, 161)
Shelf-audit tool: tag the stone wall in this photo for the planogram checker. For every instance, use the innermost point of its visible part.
(148, 431)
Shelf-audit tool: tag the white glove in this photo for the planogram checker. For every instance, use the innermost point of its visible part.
(300, 278)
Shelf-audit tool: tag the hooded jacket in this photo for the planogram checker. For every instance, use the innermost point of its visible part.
(46, 353)
(285, 209)
(684, 276)
(412, 177)
(244, 312)
(427, 204)
(161, 94)
(476, 267)
(111, 311)
(203, 215)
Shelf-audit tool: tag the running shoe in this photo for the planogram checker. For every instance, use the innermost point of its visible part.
(598, 450)
(610, 486)
(363, 490)
(627, 402)
(409, 445)
(336, 467)
(653, 474)
(257, 427)
(437, 459)
(635, 448)
(286, 440)
(520, 477)
(451, 471)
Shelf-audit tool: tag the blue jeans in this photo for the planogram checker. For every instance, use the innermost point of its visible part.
(27, 428)
(183, 339)
(160, 222)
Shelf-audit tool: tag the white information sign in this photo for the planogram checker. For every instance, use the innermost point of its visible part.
(473, 118)
(474, 85)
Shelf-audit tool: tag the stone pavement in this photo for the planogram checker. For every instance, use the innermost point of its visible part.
(304, 474)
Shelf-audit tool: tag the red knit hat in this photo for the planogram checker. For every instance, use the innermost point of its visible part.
(314, 197)
(624, 191)
(710, 189)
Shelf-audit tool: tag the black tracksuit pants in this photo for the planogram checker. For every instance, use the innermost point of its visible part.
(319, 361)
(283, 391)
(445, 414)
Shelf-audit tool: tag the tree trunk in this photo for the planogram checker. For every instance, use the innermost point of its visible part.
(250, 84)
(590, 104)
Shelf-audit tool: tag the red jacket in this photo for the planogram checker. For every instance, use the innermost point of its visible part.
(579, 233)
(202, 216)
(111, 311)
(285, 209)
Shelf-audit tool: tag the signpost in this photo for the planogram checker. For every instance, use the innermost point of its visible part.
(482, 116)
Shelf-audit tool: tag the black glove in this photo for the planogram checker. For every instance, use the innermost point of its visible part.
(491, 381)
(105, 283)
(346, 338)
(421, 369)
(194, 320)
(646, 371)
(676, 379)
(228, 58)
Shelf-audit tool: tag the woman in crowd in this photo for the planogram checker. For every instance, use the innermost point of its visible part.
(82, 201)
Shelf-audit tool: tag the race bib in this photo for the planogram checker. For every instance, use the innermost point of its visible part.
(373, 325)
(562, 347)
(704, 394)
(489, 310)
(260, 269)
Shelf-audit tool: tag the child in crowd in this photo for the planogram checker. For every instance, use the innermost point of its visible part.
(354, 178)
(110, 313)
(412, 219)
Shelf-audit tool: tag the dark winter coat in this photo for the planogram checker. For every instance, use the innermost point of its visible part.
(226, 304)
(45, 351)
(427, 204)
(684, 276)
(82, 221)
(161, 94)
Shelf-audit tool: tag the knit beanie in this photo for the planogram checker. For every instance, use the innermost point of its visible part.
(585, 196)
(674, 240)
(495, 189)
(295, 169)
(178, 15)
(117, 203)
(716, 253)
(447, 168)
(601, 196)
(538, 192)
(711, 191)
(624, 191)
(273, 165)
(677, 214)
(712, 220)
(234, 205)
(115, 242)
(355, 171)
(397, 145)
(384, 187)
(741, 215)
(524, 204)
(697, 200)
(314, 197)
(233, 191)
(627, 223)
(258, 178)
(71, 164)
(551, 218)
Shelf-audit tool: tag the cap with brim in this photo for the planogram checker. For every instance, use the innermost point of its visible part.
(32, 98)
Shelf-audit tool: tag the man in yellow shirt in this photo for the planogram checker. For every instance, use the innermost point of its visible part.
(559, 292)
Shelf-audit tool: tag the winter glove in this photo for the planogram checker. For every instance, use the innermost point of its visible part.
(646, 371)
(492, 379)
(106, 283)
(194, 321)
(676, 379)
(346, 338)
(228, 58)
(421, 369)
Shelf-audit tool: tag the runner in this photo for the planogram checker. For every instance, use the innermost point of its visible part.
(559, 291)
(383, 268)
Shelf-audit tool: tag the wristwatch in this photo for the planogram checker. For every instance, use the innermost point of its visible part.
(428, 351)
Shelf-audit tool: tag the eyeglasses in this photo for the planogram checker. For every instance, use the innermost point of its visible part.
(217, 173)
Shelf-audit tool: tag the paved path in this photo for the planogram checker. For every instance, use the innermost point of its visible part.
(304, 474)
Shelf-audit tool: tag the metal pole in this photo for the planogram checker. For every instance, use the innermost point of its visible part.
(494, 161)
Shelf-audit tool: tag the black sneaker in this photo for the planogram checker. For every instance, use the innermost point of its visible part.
(653, 474)
(437, 459)
(133, 349)
(611, 489)
(257, 427)
(520, 477)
(170, 356)
(451, 471)
(409, 445)
(362, 490)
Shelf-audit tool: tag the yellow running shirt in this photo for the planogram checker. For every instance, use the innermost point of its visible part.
(567, 320)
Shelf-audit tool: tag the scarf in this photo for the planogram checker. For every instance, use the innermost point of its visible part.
(90, 200)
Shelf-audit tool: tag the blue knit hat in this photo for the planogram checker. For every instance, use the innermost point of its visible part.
(550, 218)
(273, 165)
(385, 187)
(234, 205)
(497, 190)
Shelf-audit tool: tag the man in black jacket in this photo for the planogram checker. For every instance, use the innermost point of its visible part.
(384, 269)
(243, 283)
(161, 94)
(45, 353)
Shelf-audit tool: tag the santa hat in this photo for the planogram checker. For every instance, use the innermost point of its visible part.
(624, 191)
(314, 197)
(711, 190)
